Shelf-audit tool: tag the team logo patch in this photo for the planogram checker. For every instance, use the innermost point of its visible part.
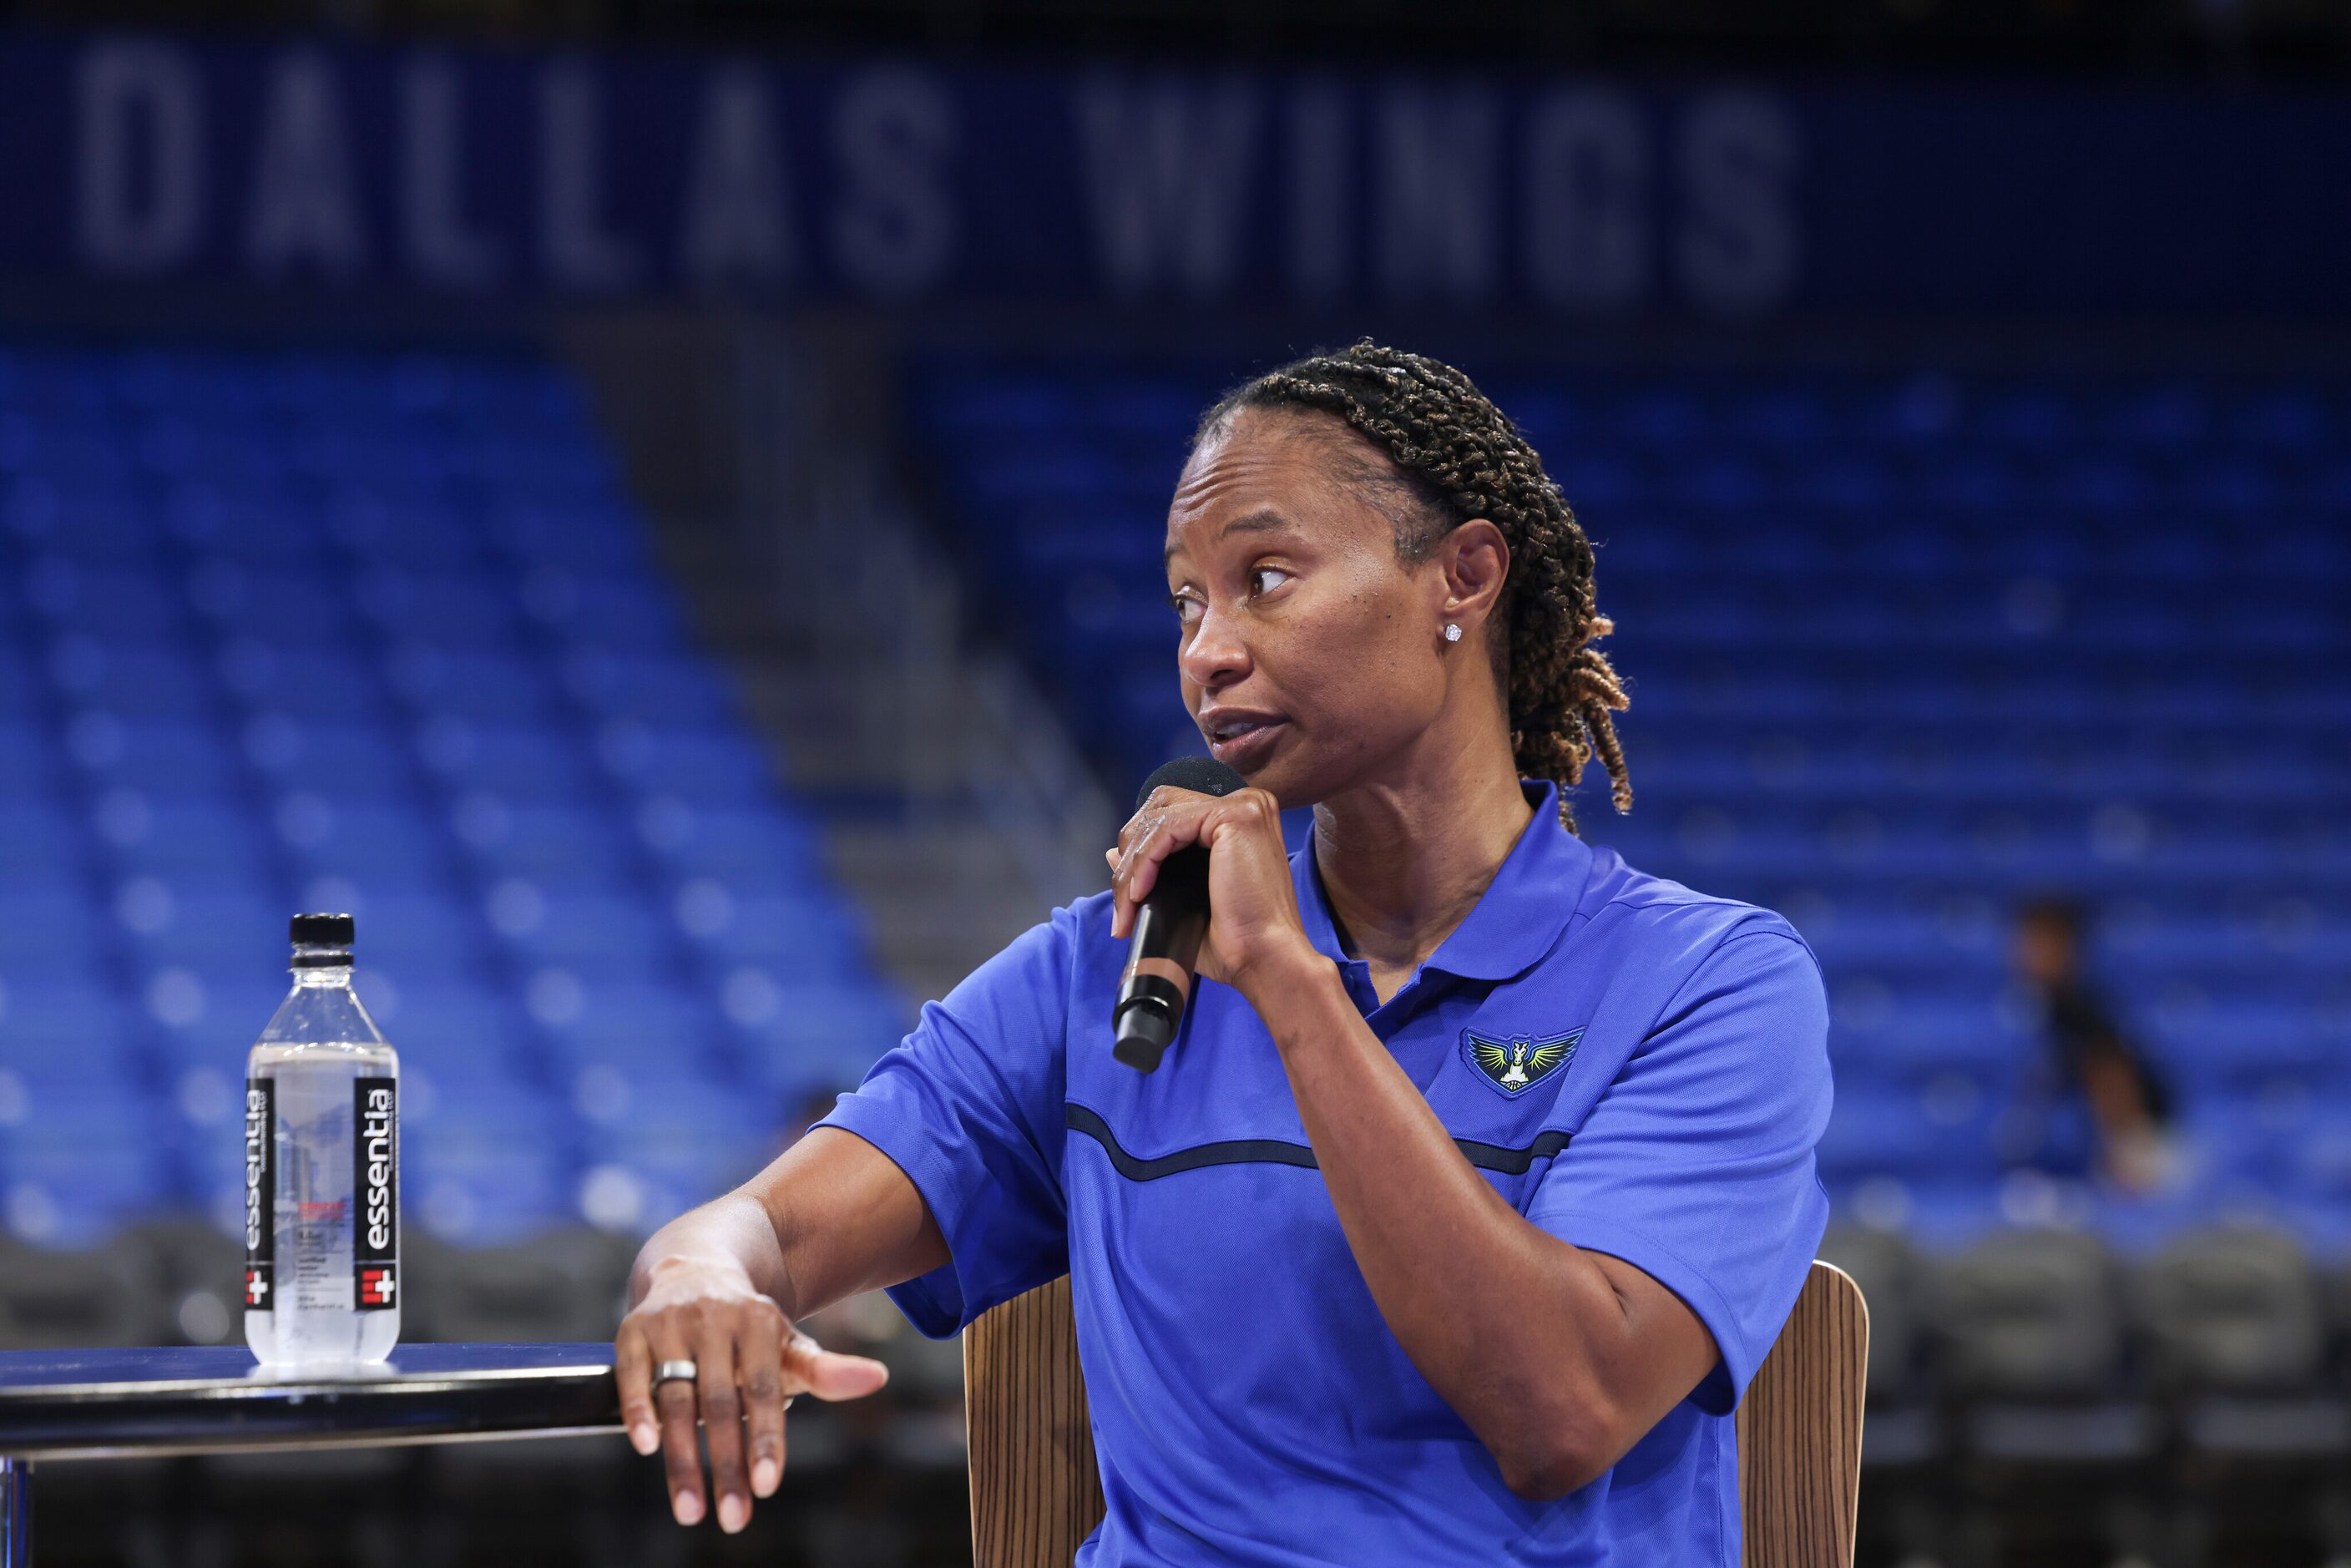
(1521, 1061)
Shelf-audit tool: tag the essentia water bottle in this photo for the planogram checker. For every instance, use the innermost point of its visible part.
(321, 1168)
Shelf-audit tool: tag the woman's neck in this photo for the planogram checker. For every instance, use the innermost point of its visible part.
(1403, 863)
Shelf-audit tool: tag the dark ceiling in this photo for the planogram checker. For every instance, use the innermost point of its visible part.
(2228, 41)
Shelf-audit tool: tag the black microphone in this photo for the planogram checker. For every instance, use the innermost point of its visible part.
(1168, 925)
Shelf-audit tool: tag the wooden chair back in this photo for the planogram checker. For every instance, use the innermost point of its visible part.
(1799, 1431)
(1035, 1491)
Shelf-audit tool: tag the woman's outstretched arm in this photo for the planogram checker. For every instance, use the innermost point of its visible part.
(723, 1286)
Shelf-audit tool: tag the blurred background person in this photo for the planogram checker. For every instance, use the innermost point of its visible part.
(2098, 1104)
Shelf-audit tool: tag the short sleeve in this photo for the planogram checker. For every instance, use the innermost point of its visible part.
(1696, 1165)
(969, 1106)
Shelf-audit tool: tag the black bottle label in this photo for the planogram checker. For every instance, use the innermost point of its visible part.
(375, 1154)
(260, 1191)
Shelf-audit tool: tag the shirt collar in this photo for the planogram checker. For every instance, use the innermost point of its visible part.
(1515, 922)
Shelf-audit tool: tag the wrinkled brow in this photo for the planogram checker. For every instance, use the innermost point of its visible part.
(1264, 520)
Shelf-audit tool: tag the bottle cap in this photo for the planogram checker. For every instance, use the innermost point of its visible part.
(322, 930)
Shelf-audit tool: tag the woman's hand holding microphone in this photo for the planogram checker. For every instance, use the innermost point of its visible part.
(1254, 928)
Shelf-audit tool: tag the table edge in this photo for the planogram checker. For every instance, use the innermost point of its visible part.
(77, 1455)
(249, 1386)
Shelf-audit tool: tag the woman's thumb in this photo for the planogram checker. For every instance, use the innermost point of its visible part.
(831, 1376)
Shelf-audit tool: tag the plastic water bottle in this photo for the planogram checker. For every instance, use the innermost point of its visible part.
(321, 1168)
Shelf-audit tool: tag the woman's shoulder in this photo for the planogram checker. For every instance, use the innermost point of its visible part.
(1720, 968)
(1640, 905)
(1040, 964)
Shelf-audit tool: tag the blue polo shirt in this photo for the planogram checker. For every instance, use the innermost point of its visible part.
(1639, 1068)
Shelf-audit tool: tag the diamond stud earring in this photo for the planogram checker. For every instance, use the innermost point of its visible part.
(1452, 633)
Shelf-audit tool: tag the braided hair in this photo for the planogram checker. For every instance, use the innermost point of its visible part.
(1456, 456)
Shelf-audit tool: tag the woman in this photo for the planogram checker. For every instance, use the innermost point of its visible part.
(1479, 1178)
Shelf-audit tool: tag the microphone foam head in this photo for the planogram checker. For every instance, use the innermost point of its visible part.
(1204, 775)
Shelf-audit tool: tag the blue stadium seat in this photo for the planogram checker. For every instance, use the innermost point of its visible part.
(280, 605)
(728, 843)
(309, 682)
(785, 933)
(22, 696)
(255, 522)
(480, 687)
(134, 680)
(64, 1013)
(455, 1029)
(488, 1157)
(204, 924)
(1944, 1128)
(519, 764)
(604, 934)
(40, 844)
(553, 845)
(463, 609)
(73, 1191)
(88, 517)
(490, 1194)
(183, 841)
(650, 688)
(420, 934)
(624, 612)
(644, 1028)
(587, 542)
(819, 1036)
(137, 604)
(702, 768)
(687, 1142)
(389, 517)
(382, 846)
(183, 755)
(27, 761)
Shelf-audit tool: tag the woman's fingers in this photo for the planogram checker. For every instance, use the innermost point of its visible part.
(1137, 871)
(759, 1365)
(749, 1361)
(1138, 827)
(633, 1369)
(828, 1375)
(675, 1405)
(722, 1421)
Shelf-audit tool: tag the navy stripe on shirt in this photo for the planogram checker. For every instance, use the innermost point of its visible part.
(1280, 1151)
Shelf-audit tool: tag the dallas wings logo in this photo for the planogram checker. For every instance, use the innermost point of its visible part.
(1519, 1063)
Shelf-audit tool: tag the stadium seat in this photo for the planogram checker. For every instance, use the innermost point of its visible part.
(2032, 1329)
(196, 1273)
(2233, 1314)
(2238, 1337)
(565, 1283)
(55, 1299)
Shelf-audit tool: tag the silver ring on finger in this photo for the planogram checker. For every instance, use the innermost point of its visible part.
(680, 1371)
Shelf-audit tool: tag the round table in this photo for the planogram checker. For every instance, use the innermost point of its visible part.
(143, 1403)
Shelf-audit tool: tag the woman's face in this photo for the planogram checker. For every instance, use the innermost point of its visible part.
(1310, 654)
